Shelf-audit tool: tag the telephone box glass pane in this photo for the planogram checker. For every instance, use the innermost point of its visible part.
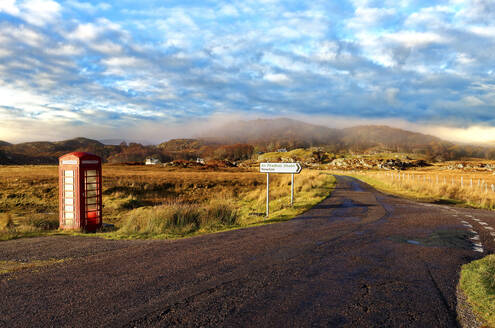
(91, 200)
(69, 180)
(69, 208)
(91, 179)
(69, 215)
(69, 201)
(69, 194)
(91, 187)
(69, 173)
(69, 187)
(91, 193)
(91, 173)
(91, 207)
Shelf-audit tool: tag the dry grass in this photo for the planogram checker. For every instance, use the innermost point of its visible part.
(15, 266)
(131, 194)
(470, 188)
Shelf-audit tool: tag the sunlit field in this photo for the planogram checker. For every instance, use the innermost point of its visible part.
(476, 189)
(153, 202)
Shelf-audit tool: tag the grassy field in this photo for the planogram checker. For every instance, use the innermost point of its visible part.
(478, 284)
(472, 189)
(153, 202)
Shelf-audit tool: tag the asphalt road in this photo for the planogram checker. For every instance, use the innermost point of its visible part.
(358, 259)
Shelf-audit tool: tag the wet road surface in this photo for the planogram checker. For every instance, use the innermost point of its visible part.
(358, 259)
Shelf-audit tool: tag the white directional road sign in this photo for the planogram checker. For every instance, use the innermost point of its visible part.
(280, 168)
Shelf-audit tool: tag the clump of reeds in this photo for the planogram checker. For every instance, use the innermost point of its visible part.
(6, 222)
(179, 218)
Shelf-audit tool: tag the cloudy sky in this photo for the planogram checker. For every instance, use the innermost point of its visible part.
(154, 69)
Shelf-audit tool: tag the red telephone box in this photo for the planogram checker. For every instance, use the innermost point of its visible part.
(80, 202)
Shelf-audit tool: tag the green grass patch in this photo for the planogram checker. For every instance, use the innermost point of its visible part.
(478, 284)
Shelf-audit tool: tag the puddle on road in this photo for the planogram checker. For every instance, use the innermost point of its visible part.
(441, 238)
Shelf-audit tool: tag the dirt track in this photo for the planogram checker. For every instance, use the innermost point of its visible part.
(359, 259)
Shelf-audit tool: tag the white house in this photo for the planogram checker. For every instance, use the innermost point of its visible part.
(152, 161)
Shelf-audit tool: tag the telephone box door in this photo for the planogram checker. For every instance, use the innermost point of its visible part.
(91, 204)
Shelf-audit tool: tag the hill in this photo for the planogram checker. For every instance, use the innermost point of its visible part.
(181, 144)
(273, 133)
(46, 152)
(239, 140)
(360, 138)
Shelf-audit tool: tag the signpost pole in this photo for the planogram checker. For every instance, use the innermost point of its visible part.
(292, 190)
(267, 194)
(291, 168)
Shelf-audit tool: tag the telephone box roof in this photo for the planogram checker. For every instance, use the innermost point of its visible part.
(81, 155)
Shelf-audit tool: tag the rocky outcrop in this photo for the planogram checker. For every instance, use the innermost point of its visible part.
(382, 164)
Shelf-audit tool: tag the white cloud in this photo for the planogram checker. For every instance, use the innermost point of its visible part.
(483, 31)
(64, 50)
(22, 34)
(327, 51)
(89, 7)
(121, 61)
(413, 39)
(472, 101)
(276, 78)
(9, 7)
(229, 10)
(366, 18)
(40, 12)
(86, 32)
(23, 99)
(106, 47)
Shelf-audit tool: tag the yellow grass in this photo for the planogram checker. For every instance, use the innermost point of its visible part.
(235, 198)
(14, 266)
(468, 188)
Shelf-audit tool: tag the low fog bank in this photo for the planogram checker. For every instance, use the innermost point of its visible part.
(155, 132)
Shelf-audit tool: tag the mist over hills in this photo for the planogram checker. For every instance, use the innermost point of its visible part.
(261, 134)
(282, 131)
(288, 133)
